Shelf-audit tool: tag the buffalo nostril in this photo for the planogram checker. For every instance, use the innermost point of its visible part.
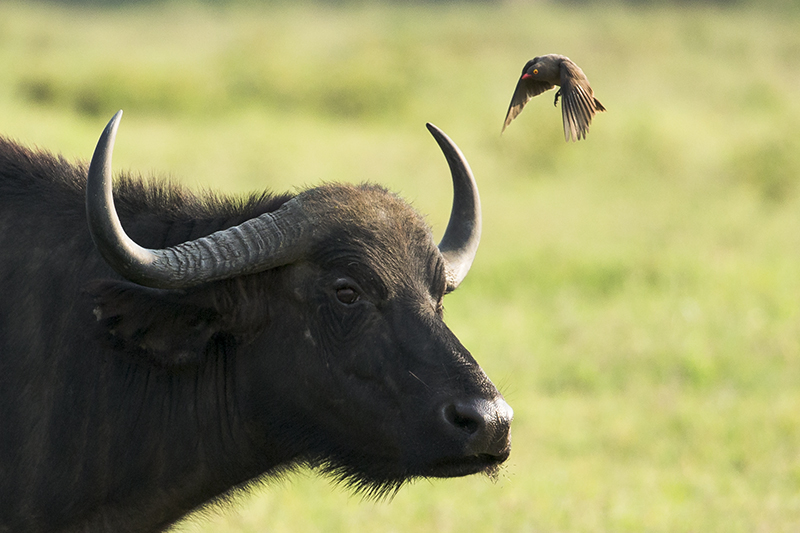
(484, 425)
(464, 416)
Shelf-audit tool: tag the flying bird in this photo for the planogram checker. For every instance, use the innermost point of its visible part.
(541, 74)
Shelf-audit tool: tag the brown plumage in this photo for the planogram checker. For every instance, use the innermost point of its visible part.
(541, 74)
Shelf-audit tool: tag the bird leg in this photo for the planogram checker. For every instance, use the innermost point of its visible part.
(558, 93)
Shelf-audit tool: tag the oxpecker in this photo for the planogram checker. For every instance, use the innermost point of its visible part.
(541, 74)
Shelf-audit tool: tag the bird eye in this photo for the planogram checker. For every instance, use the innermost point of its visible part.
(536, 71)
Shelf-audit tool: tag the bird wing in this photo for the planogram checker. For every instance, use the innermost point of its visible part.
(578, 104)
(526, 89)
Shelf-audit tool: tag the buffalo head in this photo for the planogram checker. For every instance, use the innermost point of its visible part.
(328, 310)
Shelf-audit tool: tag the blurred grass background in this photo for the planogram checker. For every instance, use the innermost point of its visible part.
(636, 294)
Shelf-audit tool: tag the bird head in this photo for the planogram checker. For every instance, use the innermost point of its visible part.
(542, 69)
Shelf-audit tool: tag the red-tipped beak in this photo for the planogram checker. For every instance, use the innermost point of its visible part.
(526, 76)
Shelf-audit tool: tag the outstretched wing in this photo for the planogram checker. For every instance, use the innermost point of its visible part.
(578, 104)
(526, 89)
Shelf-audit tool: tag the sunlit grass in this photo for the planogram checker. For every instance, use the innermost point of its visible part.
(636, 294)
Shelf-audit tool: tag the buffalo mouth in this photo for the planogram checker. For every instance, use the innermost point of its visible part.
(472, 464)
(383, 480)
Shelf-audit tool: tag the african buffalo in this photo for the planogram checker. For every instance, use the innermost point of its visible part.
(238, 339)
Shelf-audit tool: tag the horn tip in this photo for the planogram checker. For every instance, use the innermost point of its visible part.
(110, 131)
(433, 129)
(114, 122)
(440, 136)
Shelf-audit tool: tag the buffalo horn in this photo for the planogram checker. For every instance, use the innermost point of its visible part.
(263, 242)
(270, 240)
(460, 241)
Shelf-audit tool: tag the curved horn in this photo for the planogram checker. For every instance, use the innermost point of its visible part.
(261, 243)
(460, 241)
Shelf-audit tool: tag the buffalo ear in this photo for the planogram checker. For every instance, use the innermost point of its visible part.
(167, 327)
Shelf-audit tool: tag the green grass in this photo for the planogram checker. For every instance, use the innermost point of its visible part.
(636, 295)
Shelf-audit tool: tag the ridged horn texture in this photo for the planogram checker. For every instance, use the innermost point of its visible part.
(261, 243)
(267, 241)
(463, 234)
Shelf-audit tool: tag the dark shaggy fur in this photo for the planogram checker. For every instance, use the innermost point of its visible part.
(123, 407)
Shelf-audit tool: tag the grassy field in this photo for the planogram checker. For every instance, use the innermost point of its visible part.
(637, 294)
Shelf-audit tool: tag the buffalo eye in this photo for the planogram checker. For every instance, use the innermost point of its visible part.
(346, 293)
